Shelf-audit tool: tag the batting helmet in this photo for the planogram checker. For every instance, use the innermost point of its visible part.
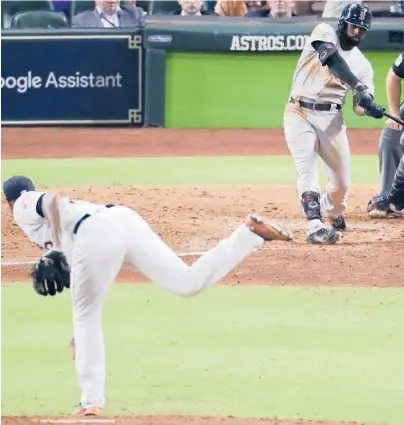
(355, 14)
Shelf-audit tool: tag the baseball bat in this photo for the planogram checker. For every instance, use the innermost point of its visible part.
(392, 117)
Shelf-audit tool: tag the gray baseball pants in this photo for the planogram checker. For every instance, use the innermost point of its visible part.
(390, 154)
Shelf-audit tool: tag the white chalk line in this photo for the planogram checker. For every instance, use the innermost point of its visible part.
(14, 263)
(24, 263)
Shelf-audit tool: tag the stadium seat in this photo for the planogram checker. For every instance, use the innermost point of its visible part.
(79, 6)
(145, 5)
(10, 7)
(163, 7)
(39, 19)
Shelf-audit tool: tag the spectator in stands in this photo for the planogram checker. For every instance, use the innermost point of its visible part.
(257, 9)
(230, 8)
(110, 14)
(303, 8)
(280, 8)
(277, 9)
(209, 5)
(190, 8)
(333, 8)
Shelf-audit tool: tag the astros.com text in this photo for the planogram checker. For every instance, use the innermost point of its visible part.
(263, 43)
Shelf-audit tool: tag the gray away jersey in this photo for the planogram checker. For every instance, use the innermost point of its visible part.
(315, 83)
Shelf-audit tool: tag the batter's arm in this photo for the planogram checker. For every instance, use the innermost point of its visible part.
(329, 56)
(50, 206)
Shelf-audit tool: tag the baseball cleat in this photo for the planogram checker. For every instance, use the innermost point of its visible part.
(381, 207)
(397, 209)
(338, 223)
(268, 232)
(88, 411)
(324, 236)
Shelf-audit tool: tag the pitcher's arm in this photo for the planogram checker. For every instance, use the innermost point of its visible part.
(50, 205)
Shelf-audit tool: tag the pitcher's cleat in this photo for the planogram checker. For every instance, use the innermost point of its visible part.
(88, 411)
(268, 231)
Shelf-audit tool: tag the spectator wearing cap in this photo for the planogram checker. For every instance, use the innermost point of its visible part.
(110, 14)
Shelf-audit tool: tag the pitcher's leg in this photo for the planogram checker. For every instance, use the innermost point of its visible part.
(97, 259)
(155, 259)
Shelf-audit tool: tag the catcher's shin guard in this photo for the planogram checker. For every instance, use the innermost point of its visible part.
(311, 205)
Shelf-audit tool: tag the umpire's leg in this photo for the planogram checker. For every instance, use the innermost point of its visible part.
(390, 152)
(397, 191)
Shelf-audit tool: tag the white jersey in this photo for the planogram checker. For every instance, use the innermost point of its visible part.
(27, 214)
(315, 83)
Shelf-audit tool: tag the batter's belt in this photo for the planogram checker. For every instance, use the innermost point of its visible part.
(315, 106)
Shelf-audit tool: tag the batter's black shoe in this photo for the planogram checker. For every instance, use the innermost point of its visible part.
(338, 223)
(323, 237)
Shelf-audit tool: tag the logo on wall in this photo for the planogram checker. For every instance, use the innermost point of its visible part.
(267, 43)
(160, 38)
(22, 83)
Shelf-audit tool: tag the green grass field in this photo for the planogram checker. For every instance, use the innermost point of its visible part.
(313, 353)
(242, 351)
(175, 171)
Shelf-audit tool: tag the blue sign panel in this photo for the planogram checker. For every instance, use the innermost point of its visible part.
(72, 79)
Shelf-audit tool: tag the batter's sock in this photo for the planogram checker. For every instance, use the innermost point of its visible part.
(311, 205)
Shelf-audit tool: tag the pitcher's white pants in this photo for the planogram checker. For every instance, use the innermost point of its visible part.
(310, 134)
(103, 243)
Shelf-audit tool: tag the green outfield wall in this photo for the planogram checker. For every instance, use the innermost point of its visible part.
(245, 89)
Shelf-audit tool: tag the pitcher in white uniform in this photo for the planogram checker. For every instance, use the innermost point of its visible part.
(328, 67)
(97, 240)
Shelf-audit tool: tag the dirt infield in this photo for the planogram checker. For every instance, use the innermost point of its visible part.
(193, 219)
(107, 142)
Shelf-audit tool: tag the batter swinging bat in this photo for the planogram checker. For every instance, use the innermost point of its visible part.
(396, 119)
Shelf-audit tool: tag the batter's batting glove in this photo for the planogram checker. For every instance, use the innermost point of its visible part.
(363, 98)
(375, 111)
